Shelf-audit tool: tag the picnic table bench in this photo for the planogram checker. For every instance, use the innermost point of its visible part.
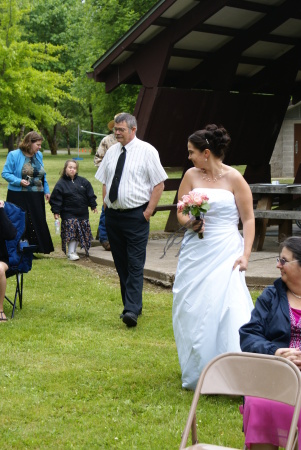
(275, 204)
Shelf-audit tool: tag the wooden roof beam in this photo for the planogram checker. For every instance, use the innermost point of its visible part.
(221, 66)
(117, 49)
(250, 6)
(152, 61)
(286, 67)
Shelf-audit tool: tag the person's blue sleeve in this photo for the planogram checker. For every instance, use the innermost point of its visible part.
(254, 334)
(9, 171)
(46, 186)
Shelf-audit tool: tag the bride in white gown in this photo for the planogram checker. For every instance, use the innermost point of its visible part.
(211, 299)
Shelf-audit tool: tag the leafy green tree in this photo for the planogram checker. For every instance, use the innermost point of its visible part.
(103, 22)
(46, 50)
(29, 91)
(57, 23)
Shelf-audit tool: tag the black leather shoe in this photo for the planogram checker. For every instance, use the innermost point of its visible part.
(130, 319)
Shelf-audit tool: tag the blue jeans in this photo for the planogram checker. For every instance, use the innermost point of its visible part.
(102, 231)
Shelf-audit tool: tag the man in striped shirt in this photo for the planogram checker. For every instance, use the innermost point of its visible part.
(141, 184)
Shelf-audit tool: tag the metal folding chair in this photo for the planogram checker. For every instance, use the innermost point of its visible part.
(28, 251)
(252, 374)
(18, 291)
(20, 252)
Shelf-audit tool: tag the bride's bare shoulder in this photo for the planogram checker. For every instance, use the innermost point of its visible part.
(232, 172)
(192, 172)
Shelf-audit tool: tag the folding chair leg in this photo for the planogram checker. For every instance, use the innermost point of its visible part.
(295, 444)
(21, 289)
(9, 301)
(18, 293)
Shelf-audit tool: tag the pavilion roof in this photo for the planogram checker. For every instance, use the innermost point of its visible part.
(219, 45)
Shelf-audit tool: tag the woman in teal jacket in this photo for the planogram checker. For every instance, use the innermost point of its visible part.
(27, 186)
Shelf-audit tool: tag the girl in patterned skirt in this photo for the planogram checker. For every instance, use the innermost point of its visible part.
(70, 200)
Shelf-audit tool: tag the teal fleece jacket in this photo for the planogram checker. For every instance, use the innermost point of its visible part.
(12, 170)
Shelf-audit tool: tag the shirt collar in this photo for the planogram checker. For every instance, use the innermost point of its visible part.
(130, 145)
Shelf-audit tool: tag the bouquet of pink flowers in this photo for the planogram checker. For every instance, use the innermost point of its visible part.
(195, 204)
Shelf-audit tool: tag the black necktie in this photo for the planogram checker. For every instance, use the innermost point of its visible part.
(117, 176)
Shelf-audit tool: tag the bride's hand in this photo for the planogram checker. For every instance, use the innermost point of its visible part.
(242, 262)
(198, 225)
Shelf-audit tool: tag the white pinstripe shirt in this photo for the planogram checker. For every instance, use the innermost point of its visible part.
(141, 173)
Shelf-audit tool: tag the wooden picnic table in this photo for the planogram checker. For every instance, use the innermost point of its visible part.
(275, 204)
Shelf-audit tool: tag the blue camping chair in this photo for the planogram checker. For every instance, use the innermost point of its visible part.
(20, 253)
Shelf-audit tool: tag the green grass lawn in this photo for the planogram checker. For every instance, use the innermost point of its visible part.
(74, 377)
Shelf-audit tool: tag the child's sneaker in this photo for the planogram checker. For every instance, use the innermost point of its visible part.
(73, 256)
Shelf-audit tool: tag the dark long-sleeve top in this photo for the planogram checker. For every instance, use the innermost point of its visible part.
(72, 198)
(7, 232)
(269, 327)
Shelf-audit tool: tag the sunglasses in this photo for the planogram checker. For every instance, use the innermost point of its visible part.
(283, 261)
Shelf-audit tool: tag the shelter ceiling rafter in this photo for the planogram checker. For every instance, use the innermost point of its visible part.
(198, 44)
(157, 52)
(286, 69)
(220, 67)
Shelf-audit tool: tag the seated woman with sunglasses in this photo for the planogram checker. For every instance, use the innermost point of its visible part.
(274, 329)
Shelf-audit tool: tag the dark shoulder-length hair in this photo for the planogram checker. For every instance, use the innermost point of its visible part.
(63, 172)
(30, 137)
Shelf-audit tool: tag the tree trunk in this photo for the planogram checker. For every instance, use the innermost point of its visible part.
(51, 139)
(68, 141)
(20, 136)
(92, 139)
(11, 142)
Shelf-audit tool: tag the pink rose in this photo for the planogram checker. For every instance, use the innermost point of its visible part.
(180, 206)
(197, 198)
(186, 200)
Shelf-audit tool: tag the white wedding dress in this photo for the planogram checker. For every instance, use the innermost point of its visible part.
(211, 300)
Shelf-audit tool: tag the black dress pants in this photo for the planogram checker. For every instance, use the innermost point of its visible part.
(128, 232)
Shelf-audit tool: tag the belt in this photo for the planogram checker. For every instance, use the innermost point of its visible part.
(121, 210)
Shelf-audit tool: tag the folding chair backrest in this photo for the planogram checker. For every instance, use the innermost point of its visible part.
(250, 374)
(253, 375)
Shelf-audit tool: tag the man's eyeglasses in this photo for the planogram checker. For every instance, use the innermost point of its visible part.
(121, 130)
(283, 261)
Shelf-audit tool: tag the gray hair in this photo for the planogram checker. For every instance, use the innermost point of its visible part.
(128, 118)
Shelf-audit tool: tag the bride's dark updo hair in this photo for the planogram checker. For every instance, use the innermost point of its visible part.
(214, 137)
